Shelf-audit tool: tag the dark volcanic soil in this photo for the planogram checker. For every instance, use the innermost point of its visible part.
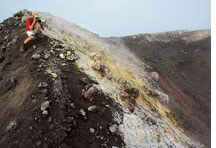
(184, 74)
(20, 98)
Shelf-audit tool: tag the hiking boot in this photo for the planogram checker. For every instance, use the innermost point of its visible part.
(22, 47)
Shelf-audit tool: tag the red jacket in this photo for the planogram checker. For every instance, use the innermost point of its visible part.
(29, 21)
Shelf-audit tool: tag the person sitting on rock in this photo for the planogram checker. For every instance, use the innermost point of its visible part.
(33, 28)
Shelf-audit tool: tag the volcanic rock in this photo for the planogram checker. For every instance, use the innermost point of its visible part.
(82, 112)
(93, 108)
(62, 56)
(43, 85)
(36, 56)
(12, 126)
(154, 76)
(89, 93)
(113, 128)
(44, 105)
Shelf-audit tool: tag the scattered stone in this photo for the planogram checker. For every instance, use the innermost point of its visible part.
(72, 58)
(16, 37)
(72, 105)
(96, 65)
(36, 56)
(54, 75)
(38, 143)
(6, 37)
(46, 56)
(131, 107)
(107, 106)
(13, 81)
(132, 92)
(82, 112)
(68, 53)
(85, 80)
(89, 94)
(44, 105)
(34, 101)
(13, 40)
(62, 56)
(40, 66)
(93, 108)
(30, 128)
(45, 112)
(43, 85)
(50, 119)
(92, 55)
(124, 95)
(53, 52)
(92, 130)
(44, 91)
(121, 128)
(154, 76)
(49, 71)
(34, 46)
(162, 96)
(113, 128)
(9, 44)
(11, 126)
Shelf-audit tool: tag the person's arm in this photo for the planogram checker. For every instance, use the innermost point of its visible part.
(32, 25)
(42, 27)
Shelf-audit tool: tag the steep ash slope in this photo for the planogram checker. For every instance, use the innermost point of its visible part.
(128, 111)
(68, 122)
(183, 61)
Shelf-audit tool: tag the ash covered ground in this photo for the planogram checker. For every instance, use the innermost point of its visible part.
(51, 95)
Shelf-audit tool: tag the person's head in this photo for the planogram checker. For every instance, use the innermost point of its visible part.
(34, 14)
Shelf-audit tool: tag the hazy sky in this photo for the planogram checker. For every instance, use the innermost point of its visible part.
(121, 17)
